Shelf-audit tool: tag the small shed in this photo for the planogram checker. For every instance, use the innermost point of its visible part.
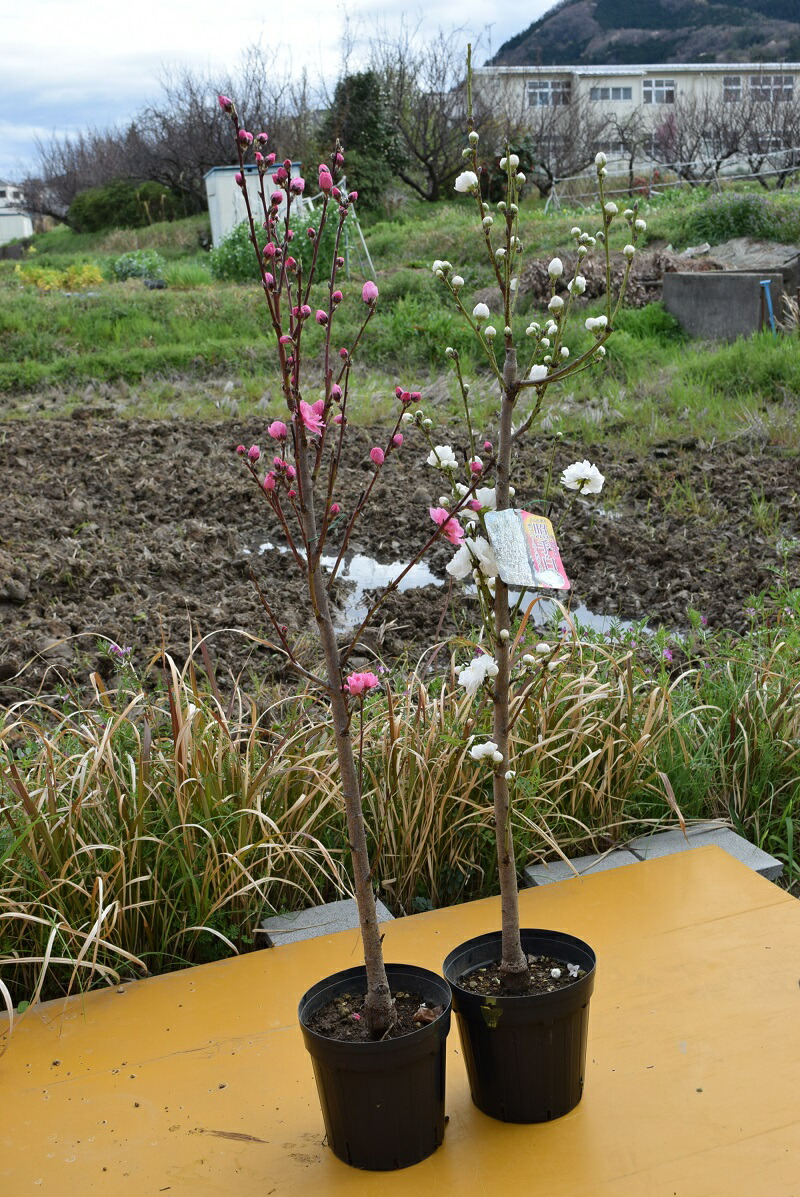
(226, 206)
(15, 222)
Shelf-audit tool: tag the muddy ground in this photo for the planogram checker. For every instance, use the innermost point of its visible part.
(136, 531)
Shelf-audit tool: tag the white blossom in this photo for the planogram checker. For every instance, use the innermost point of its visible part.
(475, 674)
(487, 497)
(436, 267)
(578, 285)
(466, 181)
(460, 564)
(538, 373)
(480, 311)
(564, 351)
(556, 268)
(509, 775)
(513, 160)
(555, 304)
(584, 477)
(497, 757)
(442, 457)
(573, 970)
(555, 973)
(600, 159)
(477, 751)
(542, 648)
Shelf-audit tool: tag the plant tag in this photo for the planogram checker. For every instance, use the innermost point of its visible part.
(526, 550)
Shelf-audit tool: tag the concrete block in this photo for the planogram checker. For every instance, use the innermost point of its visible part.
(721, 305)
(667, 843)
(319, 920)
(559, 870)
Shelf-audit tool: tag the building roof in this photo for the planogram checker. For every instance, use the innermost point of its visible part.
(656, 68)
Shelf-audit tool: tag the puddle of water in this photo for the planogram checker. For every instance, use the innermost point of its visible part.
(362, 573)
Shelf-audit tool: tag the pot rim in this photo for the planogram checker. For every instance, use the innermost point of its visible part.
(452, 970)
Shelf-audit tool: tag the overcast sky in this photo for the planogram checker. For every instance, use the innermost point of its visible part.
(69, 64)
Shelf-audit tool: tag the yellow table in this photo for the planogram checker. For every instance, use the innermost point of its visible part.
(197, 1082)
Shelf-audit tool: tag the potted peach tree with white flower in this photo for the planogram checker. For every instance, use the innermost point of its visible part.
(521, 996)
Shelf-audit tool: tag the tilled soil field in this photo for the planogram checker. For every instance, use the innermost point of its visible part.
(144, 533)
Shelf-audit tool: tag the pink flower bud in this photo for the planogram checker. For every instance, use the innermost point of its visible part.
(290, 234)
(270, 250)
(476, 467)
(276, 198)
(292, 494)
(287, 162)
(335, 509)
(343, 354)
(487, 446)
(305, 311)
(269, 279)
(353, 196)
(311, 233)
(285, 339)
(297, 185)
(259, 158)
(338, 418)
(262, 138)
(240, 449)
(416, 396)
(269, 481)
(338, 159)
(321, 317)
(281, 175)
(254, 453)
(291, 472)
(336, 392)
(325, 181)
(369, 293)
(291, 264)
(225, 103)
(398, 392)
(406, 397)
(340, 262)
(278, 430)
(279, 463)
(336, 193)
(337, 297)
(270, 158)
(474, 505)
(245, 138)
(238, 178)
(377, 455)
(397, 440)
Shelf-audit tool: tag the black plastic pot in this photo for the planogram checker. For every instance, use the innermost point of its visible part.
(525, 1055)
(383, 1103)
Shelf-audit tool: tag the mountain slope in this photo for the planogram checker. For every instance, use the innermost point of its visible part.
(600, 32)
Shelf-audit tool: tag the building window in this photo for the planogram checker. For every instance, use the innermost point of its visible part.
(545, 92)
(731, 88)
(773, 88)
(658, 91)
(2, 193)
(611, 93)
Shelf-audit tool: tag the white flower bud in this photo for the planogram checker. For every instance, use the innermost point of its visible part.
(582, 252)
(521, 178)
(575, 232)
(487, 222)
(490, 332)
(528, 659)
(546, 342)
(507, 330)
(456, 281)
(511, 492)
(466, 154)
(513, 209)
(449, 351)
(503, 163)
(532, 329)
(473, 138)
(564, 351)
(602, 172)
(427, 423)
(538, 373)
(500, 253)
(640, 225)
(504, 633)
(589, 324)
(628, 213)
(600, 159)
(497, 757)
(578, 285)
(601, 351)
(513, 160)
(555, 973)
(610, 209)
(600, 321)
(480, 311)
(547, 359)
(437, 265)
(542, 648)
(629, 251)
(409, 419)
(556, 268)
(501, 207)
(555, 304)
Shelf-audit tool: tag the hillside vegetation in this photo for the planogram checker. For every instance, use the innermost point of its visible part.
(599, 32)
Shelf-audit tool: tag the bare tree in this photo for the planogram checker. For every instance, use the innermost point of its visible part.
(771, 136)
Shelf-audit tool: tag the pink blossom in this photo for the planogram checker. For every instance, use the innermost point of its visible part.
(245, 138)
(262, 138)
(270, 250)
(281, 175)
(325, 180)
(311, 418)
(254, 453)
(269, 481)
(397, 440)
(278, 430)
(276, 198)
(297, 185)
(225, 103)
(451, 529)
(270, 158)
(321, 317)
(369, 293)
(378, 456)
(359, 683)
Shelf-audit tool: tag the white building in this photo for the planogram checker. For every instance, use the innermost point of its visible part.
(14, 220)
(226, 206)
(645, 97)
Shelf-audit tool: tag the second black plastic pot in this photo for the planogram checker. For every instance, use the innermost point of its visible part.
(525, 1054)
(382, 1102)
